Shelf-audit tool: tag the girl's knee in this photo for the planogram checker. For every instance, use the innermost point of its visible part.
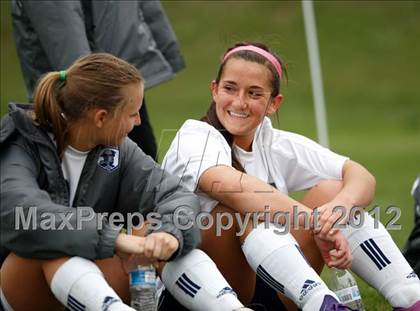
(15, 260)
(16, 265)
(23, 280)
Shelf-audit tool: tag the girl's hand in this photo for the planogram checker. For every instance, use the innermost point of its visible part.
(160, 246)
(136, 250)
(155, 246)
(334, 250)
(330, 216)
(126, 245)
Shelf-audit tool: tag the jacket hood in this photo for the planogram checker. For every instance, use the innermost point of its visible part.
(19, 119)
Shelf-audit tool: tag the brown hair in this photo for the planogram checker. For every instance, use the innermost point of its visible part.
(92, 81)
(211, 116)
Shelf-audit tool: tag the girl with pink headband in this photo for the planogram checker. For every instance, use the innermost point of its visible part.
(240, 165)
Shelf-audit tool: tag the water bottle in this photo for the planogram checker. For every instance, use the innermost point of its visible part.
(345, 287)
(143, 288)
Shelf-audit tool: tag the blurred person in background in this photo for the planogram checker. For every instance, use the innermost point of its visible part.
(50, 35)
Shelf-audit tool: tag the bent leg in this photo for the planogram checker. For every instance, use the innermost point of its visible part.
(276, 258)
(52, 284)
(378, 260)
(79, 284)
(197, 284)
(24, 285)
(318, 195)
(225, 250)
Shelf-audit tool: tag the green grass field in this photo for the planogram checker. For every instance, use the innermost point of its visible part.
(370, 62)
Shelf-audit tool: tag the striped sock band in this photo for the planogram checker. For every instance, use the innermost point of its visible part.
(188, 286)
(373, 251)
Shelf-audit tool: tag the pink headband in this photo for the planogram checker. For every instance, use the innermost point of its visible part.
(257, 50)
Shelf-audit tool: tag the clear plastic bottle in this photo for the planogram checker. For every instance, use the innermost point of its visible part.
(143, 288)
(345, 287)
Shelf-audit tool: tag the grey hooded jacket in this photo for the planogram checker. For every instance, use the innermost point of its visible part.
(51, 35)
(32, 183)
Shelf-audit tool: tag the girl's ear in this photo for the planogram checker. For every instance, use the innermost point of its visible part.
(99, 117)
(274, 104)
(213, 88)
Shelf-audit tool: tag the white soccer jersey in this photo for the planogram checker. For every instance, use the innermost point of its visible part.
(291, 161)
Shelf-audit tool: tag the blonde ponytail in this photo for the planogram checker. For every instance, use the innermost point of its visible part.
(48, 113)
(62, 98)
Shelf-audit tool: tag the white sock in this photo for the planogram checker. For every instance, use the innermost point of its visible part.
(378, 261)
(278, 260)
(4, 303)
(197, 284)
(80, 286)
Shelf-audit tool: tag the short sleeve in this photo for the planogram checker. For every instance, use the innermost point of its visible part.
(197, 146)
(303, 162)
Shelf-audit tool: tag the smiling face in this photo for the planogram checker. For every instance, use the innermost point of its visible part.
(243, 98)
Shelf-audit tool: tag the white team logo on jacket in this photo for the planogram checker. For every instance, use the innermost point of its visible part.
(109, 159)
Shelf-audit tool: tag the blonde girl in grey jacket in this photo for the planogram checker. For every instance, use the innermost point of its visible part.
(70, 179)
